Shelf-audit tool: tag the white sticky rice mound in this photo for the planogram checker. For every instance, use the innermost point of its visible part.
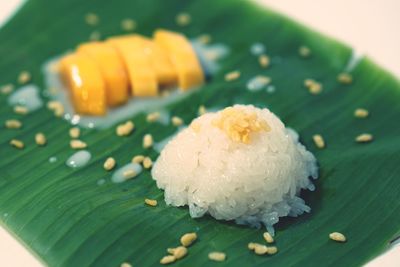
(252, 183)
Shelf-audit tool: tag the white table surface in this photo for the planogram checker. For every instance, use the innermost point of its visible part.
(370, 26)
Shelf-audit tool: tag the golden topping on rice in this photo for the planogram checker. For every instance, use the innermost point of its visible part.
(239, 124)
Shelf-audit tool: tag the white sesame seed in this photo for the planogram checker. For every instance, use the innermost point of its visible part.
(126, 264)
(147, 163)
(17, 143)
(338, 237)
(109, 164)
(74, 132)
(92, 19)
(77, 144)
(361, 113)
(125, 129)
(138, 159)
(202, 110)
(176, 121)
(364, 138)
(231, 76)
(264, 61)
(217, 256)
(188, 239)
(13, 124)
(24, 77)
(21, 110)
(319, 141)
(147, 141)
(6, 89)
(150, 202)
(183, 19)
(167, 259)
(40, 139)
(152, 117)
(304, 51)
(345, 78)
(268, 237)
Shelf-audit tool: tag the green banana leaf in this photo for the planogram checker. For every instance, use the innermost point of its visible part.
(66, 219)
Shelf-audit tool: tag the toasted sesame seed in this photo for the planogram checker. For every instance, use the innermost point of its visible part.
(338, 237)
(217, 256)
(6, 89)
(92, 19)
(202, 110)
(152, 117)
(313, 86)
(13, 124)
(167, 259)
(204, 39)
(95, 36)
(304, 51)
(147, 163)
(147, 141)
(268, 237)
(178, 252)
(318, 141)
(364, 138)
(24, 77)
(231, 76)
(150, 202)
(17, 143)
(126, 264)
(260, 249)
(345, 78)
(109, 164)
(176, 121)
(188, 239)
(272, 250)
(251, 246)
(128, 25)
(74, 132)
(77, 144)
(183, 19)
(21, 110)
(57, 107)
(40, 139)
(264, 61)
(128, 174)
(125, 129)
(138, 159)
(361, 113)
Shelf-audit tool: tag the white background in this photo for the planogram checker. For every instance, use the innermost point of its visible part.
(370, 26)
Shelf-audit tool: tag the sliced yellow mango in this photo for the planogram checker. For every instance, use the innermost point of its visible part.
(83, 77)
(140, 69)
(165, 71)
(183, 58)
(112, 69)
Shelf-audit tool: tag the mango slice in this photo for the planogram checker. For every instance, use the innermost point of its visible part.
(138, 64)
(83, 77)
(112, 69)
(183, 58)
(165, 71)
